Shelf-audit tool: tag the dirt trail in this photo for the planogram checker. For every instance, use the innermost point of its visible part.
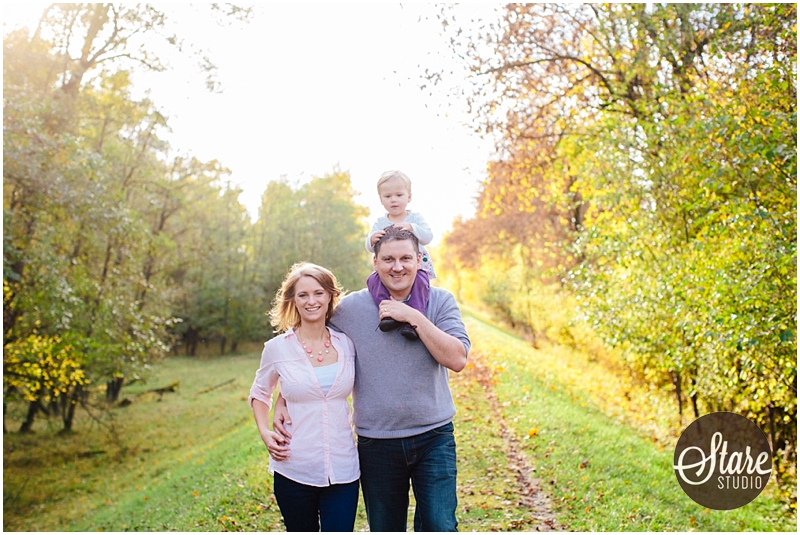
(531, 494)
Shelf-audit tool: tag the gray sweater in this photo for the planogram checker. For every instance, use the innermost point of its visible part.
(400, 390)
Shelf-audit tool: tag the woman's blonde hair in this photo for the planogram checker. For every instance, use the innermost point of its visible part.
(388, 175)
(284, 314)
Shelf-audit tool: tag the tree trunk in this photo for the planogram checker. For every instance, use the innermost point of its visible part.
(71, 401)
(52, 408)
(676, 380)
(113, 388)
(33, 408)
(190, 338)
(98, 19)
(693, 399)
(69, 416)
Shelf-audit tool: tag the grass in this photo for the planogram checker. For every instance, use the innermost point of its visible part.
(192, 461)
(603, 475)
(488, 491)
(188, 461)
(163, 458)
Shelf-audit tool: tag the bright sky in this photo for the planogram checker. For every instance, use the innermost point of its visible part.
(310, 87)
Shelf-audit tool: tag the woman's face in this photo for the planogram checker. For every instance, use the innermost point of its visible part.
(311, 300)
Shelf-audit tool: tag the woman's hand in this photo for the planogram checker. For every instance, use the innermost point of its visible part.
(277, 445)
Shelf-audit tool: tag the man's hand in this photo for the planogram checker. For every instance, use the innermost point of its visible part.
(281, 419)
(446, 349)
(398, 311)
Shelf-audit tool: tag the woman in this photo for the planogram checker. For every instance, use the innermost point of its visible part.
(317, 483)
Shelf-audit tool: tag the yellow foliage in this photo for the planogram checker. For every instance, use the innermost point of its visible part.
(41, 366)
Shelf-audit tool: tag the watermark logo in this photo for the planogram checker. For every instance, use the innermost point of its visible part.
(722, 461)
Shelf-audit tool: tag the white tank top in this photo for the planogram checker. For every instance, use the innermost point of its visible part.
(326, 375)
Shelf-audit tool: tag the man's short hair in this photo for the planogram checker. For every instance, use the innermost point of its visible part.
(393, 233)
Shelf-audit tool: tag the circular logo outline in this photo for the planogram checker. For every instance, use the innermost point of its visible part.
(722, 461)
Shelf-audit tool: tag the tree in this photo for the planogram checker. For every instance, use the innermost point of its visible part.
(88, 198)
(662, 129)
(228, 270)
(115, 248)
(318, 222)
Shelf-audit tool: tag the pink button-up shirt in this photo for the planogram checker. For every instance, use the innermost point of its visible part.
(323, 448)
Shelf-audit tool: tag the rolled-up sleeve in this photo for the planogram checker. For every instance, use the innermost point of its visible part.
(449, 320)
(266, 379)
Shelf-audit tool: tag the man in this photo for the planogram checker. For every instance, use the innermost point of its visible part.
(402, 405)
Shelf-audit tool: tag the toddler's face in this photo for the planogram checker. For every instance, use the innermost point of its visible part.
(394, 196)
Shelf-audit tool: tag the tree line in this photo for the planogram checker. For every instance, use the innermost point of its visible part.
(644, 191)
(118, 249)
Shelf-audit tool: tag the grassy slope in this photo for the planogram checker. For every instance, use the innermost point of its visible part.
(194, 462)
(176, 459)
(603, 475)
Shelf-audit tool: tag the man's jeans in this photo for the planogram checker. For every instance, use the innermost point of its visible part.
(429, 461)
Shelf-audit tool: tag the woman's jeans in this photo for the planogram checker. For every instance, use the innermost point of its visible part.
(429, 461)
(304, 507)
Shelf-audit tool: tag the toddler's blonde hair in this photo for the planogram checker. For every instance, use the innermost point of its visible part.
(388, 175)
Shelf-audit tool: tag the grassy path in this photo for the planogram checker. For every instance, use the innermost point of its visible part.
(601, 474)
(535, 452)
(193, 461)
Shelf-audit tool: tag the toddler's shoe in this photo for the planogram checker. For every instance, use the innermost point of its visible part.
(389, 324)
(409, 332)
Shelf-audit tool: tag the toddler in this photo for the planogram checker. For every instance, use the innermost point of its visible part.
(394, 189)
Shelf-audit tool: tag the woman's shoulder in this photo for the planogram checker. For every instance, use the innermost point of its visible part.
(344, 340)
(278, 339)
(275, 347)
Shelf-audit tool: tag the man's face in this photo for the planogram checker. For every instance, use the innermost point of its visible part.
(397, 264)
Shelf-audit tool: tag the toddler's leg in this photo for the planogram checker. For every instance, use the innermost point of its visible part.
(376, 289)
(420, 292)
(418, 300)
(379, 293)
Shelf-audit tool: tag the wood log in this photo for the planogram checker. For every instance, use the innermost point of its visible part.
(210, 388)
